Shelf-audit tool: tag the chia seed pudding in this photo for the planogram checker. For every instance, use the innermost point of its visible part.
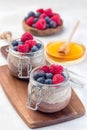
(22, 58)
(49, 97)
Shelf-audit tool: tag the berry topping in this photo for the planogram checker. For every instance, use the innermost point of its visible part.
(26, 44)
(60, 69)
(57, 19)
(23, 48)
(41, 80)
(41, 24)
(30, 43)
(31, 13)
(30, 21)
(47, 19)
(33, 25)
(49, 75)
(35, 20)
(57, 78)
(26, 36)
(53, 24)
(56, 69)
(38, 45)
(43, 19)
(44, 76)
(20, 42)
(43, 15)
(39, 74)
(26, 18)
(14, 42)
(41, 10)
(48, 81)
(49, 12)
(47, 25)
(34, 49)
(37, 14)
(45, 68)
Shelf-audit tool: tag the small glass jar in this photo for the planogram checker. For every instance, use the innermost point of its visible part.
(21, 64)
(48, 98)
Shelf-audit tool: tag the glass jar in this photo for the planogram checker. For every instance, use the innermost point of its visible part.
(21, 64)
(48, 98)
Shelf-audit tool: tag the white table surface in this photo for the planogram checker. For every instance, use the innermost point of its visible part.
(11, 14)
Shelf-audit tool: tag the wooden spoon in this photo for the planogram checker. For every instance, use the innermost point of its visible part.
(65, 48)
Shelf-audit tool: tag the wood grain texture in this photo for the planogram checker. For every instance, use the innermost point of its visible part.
(16, 91)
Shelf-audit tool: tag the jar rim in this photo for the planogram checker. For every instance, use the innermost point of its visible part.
(20, 53)
(67, 79)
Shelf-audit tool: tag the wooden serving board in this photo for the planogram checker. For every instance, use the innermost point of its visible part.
(16, 91)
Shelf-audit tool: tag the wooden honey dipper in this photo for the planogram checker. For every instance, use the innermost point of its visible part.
(7, 36)
(65, 48)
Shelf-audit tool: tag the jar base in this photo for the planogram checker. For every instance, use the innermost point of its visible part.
(51, 108)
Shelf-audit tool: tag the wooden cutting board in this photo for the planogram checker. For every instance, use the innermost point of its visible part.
(16, 91)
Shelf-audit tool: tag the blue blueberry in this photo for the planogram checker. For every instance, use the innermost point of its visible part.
(48, 81)
(53, 24)
(63, 75)
(34, 49)
(47, 25)
(35, 20)
(49, 75)
(41, 80)
(31, 13)
(33, 25)
(15, 48)
(37, 14)
(48, 20)
(36, 76)
(41, 73)
(20, 42)
(38, 45)
(25, 18)
(15, 43)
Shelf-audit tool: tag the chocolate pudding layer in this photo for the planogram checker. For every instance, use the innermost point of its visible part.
(53, 99)
(50, 108)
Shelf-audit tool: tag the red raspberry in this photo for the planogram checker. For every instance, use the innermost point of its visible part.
(60, 69)
(23, 48)
(56, 14)
(56, 69)
(45, 68)
(49, 12)
(30, 43)
(57, 78)
(41, 10)
(30, 21)
(43, 15)
(26, 36)
(41, 24)
(57, 19)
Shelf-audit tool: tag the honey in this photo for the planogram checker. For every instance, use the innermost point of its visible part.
(76, 51)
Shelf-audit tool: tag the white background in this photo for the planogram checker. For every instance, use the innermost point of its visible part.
(12, 13)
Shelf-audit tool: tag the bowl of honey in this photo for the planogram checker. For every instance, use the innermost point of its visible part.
(76, 54)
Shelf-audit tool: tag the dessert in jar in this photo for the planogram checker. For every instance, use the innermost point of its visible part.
(76, 53)
(49, 89)
(25, 54)
(43, 22)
